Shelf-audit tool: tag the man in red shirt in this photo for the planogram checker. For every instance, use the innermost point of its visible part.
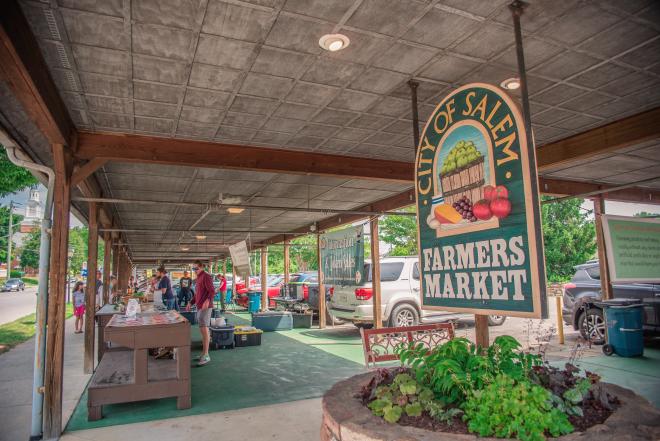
(204, 293)
(222, 290)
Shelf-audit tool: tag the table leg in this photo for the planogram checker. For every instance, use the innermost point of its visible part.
(140, 366)
(183, 373)
(94, 413)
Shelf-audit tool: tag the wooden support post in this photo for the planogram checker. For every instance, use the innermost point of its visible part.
(107, 259)
(560, 321)
(90, 291)
(321, 278)
(115, 262)
(481, 330)
(605, 284)
(375, 273)
(58, 280)
(286, 260)
(264, 279)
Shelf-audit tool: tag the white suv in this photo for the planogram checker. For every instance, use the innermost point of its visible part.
(400, 304)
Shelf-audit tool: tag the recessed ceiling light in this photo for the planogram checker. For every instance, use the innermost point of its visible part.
(200, 236)
(185, 248)
(235, 210)
(334, 42)
(511, 83)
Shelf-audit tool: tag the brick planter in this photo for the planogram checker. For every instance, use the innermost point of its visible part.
(346, 419)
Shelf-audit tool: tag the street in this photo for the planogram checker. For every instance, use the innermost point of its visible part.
(15, 305)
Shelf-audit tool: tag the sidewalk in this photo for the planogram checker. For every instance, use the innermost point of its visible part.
(16, 367)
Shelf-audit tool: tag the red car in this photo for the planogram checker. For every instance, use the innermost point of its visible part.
(274, 284)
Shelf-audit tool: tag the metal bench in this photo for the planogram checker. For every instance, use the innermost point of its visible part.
(380, 344)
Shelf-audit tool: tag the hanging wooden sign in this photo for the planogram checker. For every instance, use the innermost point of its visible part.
(480, 248)
(342, 257)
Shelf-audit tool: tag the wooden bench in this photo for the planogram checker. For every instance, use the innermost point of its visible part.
(380, 344)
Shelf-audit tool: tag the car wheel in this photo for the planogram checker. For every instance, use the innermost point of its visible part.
(496, 320)
(592, 326)
(364, 325)
(404, 315)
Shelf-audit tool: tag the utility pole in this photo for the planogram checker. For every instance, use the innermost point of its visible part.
(11, 233)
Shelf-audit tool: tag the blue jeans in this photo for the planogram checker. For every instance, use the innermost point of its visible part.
(171, 304)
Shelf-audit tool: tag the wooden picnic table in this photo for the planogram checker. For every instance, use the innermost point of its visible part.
(132, 375)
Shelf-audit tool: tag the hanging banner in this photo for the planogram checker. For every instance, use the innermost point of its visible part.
(480, 247)
(240, 258)
(342, 256)
(633, 248)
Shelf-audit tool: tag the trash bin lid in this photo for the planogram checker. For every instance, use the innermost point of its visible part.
(618, 302)
(655, 301)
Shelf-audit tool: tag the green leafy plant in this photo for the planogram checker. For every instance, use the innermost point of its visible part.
(506, 408)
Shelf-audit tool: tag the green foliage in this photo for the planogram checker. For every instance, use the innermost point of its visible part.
(4, 232)
(78, 242)
(12, 177)
(30, 281)
(506, 408)
(401, 233)
(457, 367)
(569, 238)
(30, 249)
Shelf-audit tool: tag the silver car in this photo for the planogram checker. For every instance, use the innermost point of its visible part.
(400, 300)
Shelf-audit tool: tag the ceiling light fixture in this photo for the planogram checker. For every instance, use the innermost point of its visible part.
(334, 42)
(235, 210)
(185, 248)
(200, 236)
(511, 83)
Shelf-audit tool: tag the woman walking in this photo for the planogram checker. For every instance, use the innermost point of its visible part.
(79, 305)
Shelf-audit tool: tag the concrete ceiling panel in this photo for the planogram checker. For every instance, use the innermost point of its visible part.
(74, 100)
(304, 142)
(353, 195)
(36, 16)
(238, 133)
(497, 36)
(643, 56)
(567, 64)
(237, 22)
(157, 92)
(266, 85)
(133, 193)
(490, 74)
(453, 27)
(552, 116)
(98, 84)
(535, 18)
(147, 169)
(299, 191)
(371, 122)
(350, 134)
(648, 97)
(206, 98)
(536, 84)
(634, 176)
(330, 10)
(109, 104)
(106, 7)
(79, 117)
(402, 57)
(583, 22)
(159, 70)
(378, 80)
(448, 69)
(353, 100)
(224, 52)
(157, 125)
(295, 111)
(147, 108)
(147, 183)
(297, 33)
(536, 52)
(601, 75)
(234, 175)
(332, 72)
(382, 138)
(256, 106)
(477, 7)
(334, 117)
(201, 114)
(272, 138)
(194, 129)
(651, 152)
(312, 93)
(243, 120)
(630, 83)
(174, 13)
(95, 30)
(426, 91)
(385, 17)
(558, 94)
(336, 146)
(101, 60)
(161, 41)
(620, 37)
(318, 130)
(363, 48)
(212, 77)
(280, 62)
(377, 185)
(283, 125)
(587, 102)
(577, 122)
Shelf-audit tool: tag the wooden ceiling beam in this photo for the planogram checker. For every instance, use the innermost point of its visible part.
(155, 150)
(558, 187)
(81, 173)
(625, 132)
(23, 68)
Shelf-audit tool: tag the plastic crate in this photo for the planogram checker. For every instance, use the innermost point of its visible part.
(222, 337)
(273, 321)
(191, 316)
(301, 320)
(247, 338)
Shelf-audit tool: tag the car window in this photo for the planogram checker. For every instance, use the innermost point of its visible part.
(415, 274)
(294, 278)
(389, 271)
(12, 281)
(594, 272)
(312, 280)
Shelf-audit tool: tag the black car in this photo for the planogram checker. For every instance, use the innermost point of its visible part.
(13, 285)
(582, 293)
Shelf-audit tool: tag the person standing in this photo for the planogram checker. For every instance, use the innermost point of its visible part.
(203, 299)
(222, 290)
(165, 287)
(185, 289)
(79, 305)
(99, 289)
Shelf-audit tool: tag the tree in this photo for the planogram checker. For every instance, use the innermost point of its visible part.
(401, 233)
(30, 250)
(4, 231)
(569, 237)
(12, 177)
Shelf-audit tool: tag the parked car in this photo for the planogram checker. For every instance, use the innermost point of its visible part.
(13, 285)
(583, 291)
(400, 300)
(272, 282)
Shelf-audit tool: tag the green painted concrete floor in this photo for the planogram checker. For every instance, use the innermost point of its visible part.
(304, 363)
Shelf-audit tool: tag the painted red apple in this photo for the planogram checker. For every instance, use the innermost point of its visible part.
(481, 210)
(500, 207)
(500, 192)
(489, 192)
